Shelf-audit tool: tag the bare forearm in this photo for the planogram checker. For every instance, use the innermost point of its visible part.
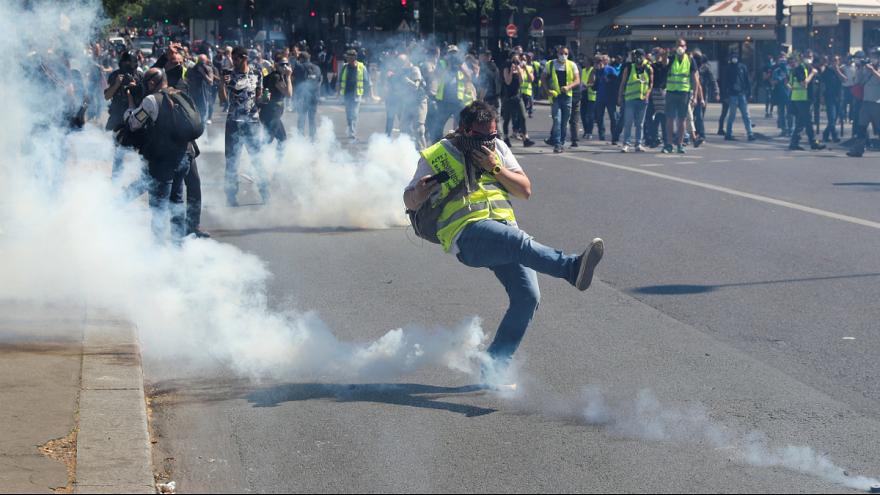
(516, 183)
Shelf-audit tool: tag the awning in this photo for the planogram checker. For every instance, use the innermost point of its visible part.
(664, 12)
(754, 11)
(742, 12)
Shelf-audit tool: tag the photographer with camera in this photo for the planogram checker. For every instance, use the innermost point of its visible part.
(243, 89)
(121, 84)
(279, 84)
(460, 198)
(869, 111)
(168, 154)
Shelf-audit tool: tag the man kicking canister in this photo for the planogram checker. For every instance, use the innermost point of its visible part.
(459, 198)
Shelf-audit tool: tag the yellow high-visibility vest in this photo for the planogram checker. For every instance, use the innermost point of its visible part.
(554, 89)
(679, 78)
(585, 78)
(798, 91)
(490, 201)
(525, 86)
(360, 79)
(460, 93)
(637, 84)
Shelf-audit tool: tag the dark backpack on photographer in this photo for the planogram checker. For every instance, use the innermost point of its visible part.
(185, 122)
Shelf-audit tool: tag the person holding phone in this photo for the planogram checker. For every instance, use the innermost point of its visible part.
(477, 223)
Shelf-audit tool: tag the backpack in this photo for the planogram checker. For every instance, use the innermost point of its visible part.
(424, 219)
(185, 121)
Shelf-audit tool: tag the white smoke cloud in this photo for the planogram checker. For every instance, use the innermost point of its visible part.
(320, 184)
(645, 417)
(68, 236)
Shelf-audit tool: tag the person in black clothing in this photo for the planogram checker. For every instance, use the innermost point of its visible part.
(489, 81)
(172, 64)
(120, 83)
(832, 79)
(279, 83)
(512, 106)
(168, 161)
(307, 92)
(736, 80)
(200, 80)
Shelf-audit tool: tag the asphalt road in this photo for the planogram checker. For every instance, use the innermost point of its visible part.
(740, 280)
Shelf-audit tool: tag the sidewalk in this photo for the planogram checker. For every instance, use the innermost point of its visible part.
(72, 413)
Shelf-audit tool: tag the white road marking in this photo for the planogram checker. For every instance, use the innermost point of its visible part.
(734, 192)
(753, 159)
(719, 161)
(652, 165)
(685, 163)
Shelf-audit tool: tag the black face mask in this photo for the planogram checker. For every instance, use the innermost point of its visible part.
(469, 144)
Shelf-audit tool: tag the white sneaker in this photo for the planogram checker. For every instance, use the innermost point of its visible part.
(588, 137)
(624, 148)
(208, 122)
(640, 149)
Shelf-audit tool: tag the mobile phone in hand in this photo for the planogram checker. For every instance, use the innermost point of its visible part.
(439, 178)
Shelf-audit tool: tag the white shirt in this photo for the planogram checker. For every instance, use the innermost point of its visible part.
(508, 161)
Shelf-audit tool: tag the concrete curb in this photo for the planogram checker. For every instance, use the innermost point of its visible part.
(113, 445)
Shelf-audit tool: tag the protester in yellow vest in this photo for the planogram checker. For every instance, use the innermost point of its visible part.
(635, 86)
(799, 81)
(454, 90)
(354, 83)
(588, 103)
(560, 76)
(459, 198)
(529, 94)
(682, 84)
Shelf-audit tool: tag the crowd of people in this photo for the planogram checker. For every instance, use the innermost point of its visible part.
(654, 98)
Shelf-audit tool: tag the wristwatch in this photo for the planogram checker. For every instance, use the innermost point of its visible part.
(496, 169)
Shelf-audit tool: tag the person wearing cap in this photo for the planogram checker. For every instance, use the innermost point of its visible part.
(353, 84)
(477, 224)
(799, 81)
(637, 81)
(869, 111)
(453, 77)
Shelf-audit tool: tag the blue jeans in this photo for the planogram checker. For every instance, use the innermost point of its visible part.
(561, 112)
(832, 109)
(352, 112)
(514, 257)
(166, 202)
(240, 135)
(700, 121)
(588, 116)
(634, 115)
(740, 102)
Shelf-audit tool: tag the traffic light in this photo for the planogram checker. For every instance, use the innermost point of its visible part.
(251, 6)
(403, 3)
(312, 13)
(219, 7)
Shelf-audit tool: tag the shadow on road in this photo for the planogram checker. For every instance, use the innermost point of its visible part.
(682, 289)
(870, 186)
(400, 394)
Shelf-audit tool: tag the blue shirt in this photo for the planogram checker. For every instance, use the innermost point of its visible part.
(608, 84)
